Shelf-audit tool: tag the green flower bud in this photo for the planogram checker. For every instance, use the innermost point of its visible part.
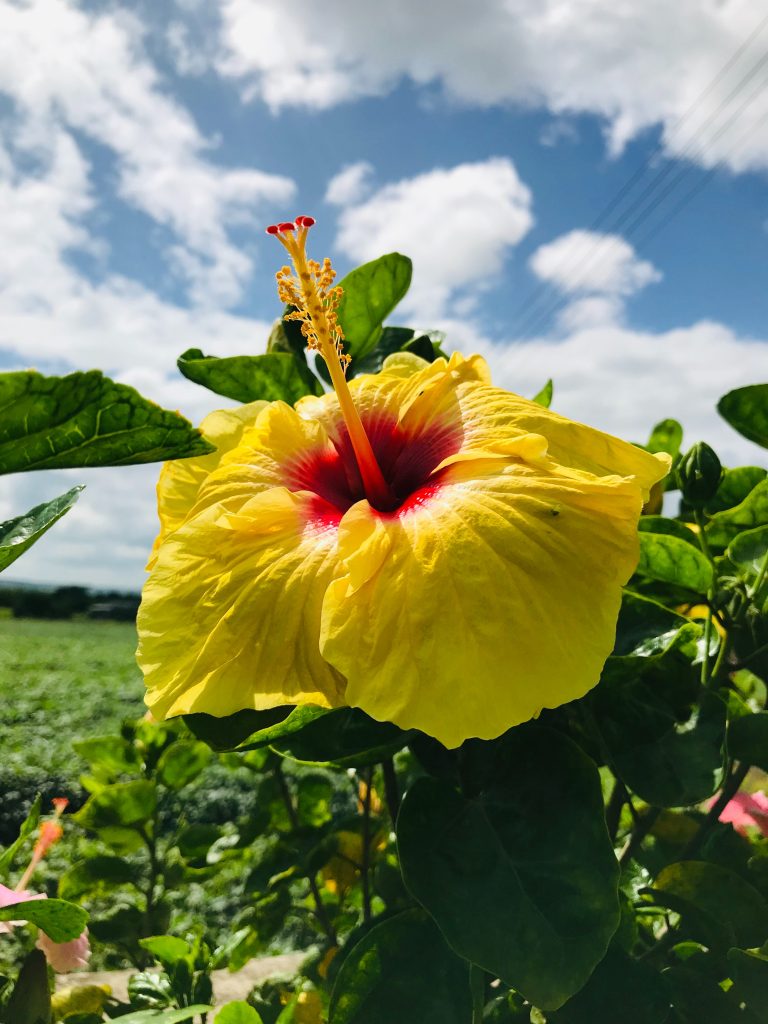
(699, 473)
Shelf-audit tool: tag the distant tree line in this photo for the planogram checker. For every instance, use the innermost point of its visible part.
(65, 602)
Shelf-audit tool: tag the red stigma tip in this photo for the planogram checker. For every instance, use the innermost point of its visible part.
(305, 222)
(273, 229)
(287, 225)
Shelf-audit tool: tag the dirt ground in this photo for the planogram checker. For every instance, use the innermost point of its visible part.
(226, 985)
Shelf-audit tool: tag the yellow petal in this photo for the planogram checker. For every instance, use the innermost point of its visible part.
(181, 479)
(493, 595)
(230, 615)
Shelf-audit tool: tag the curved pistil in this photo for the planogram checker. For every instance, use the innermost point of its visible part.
(310, 291)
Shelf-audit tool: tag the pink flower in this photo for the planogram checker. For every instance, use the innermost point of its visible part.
(66, 956)
(62, 956)
(747, 810)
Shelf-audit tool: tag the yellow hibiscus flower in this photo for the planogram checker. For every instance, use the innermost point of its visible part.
(417, 543)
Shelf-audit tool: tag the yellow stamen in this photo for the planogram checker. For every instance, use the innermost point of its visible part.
(316, 302)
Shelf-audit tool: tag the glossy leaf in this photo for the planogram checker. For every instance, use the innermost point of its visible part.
(734, 487)
(250, 730)
(718, 907)
(670, 527)
(664, 733)
(645, 627)
(507, 892)
(19, 534)
(669, 559)
(403, 971)
(345, 737)
(748, 740)
(370, 293)
(748, 515)
(749, 550)
(86, 419)
(61, 921)
(746, 409)
(618, 981)
(182, 762)
(392, 339)
(274, 376)
(544, 397)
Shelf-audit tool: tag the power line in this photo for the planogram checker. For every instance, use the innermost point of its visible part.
(529, 316)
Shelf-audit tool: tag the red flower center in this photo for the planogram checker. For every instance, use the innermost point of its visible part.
(407, 461)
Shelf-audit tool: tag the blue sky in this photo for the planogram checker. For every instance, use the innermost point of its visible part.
(143, 148)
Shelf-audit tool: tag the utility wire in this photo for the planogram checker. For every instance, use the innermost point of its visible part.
(529, 316)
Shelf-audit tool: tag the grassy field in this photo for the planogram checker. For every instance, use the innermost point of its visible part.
(59, 682)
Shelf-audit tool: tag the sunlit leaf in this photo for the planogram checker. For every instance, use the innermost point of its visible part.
(19, 534)
(746, 409)
(273, 376)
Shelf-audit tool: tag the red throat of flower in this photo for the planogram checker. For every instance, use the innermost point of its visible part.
(308, 286)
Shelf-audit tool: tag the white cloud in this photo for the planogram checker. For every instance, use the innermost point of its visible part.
(457, 224)
(586, 261)
(633, 64)
(350, 185)
(68, 70)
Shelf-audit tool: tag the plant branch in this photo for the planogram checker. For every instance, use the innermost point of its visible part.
(391, 789)
(321, 912)
(640, 831)
(366, 778)
(729, 790)
(613, 808)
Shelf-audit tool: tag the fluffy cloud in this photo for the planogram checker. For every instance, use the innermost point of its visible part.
(633, 64)
(68, 70)
(586, 261)
(457, 224)
(350, 185)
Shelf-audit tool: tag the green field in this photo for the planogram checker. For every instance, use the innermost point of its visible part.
(59, 682)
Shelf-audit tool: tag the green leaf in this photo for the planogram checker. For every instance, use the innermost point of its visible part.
(401, 971)
(19, 534)
(28, 827)
(182, 762)
(250, 730)
(748, 550)
(86, 419)
(669, 527)
(644, 626)
(544, 397)
(748, 739)
(125, 804)
(98, 873)
(108, 756)
(61, 921)
(393, 339)
(750, 974)
(370, 293)
(30, 1001)
(167, 949)
(669, 559)
(507, 891)
(746, 409)
(751, 513)
(666, 436)
(664, 733)
(700, 1000)
(734, 487)
(718, 907)
(344, 737)
(271, 377)
(165, 1016)
(618, 981)
(238, 1013)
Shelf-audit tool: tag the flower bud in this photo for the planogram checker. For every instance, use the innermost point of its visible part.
(699, 473)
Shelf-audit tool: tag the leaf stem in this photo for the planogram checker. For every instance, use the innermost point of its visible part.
(477, 987)
(391, 789)
(366, 778)
(640, 831)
